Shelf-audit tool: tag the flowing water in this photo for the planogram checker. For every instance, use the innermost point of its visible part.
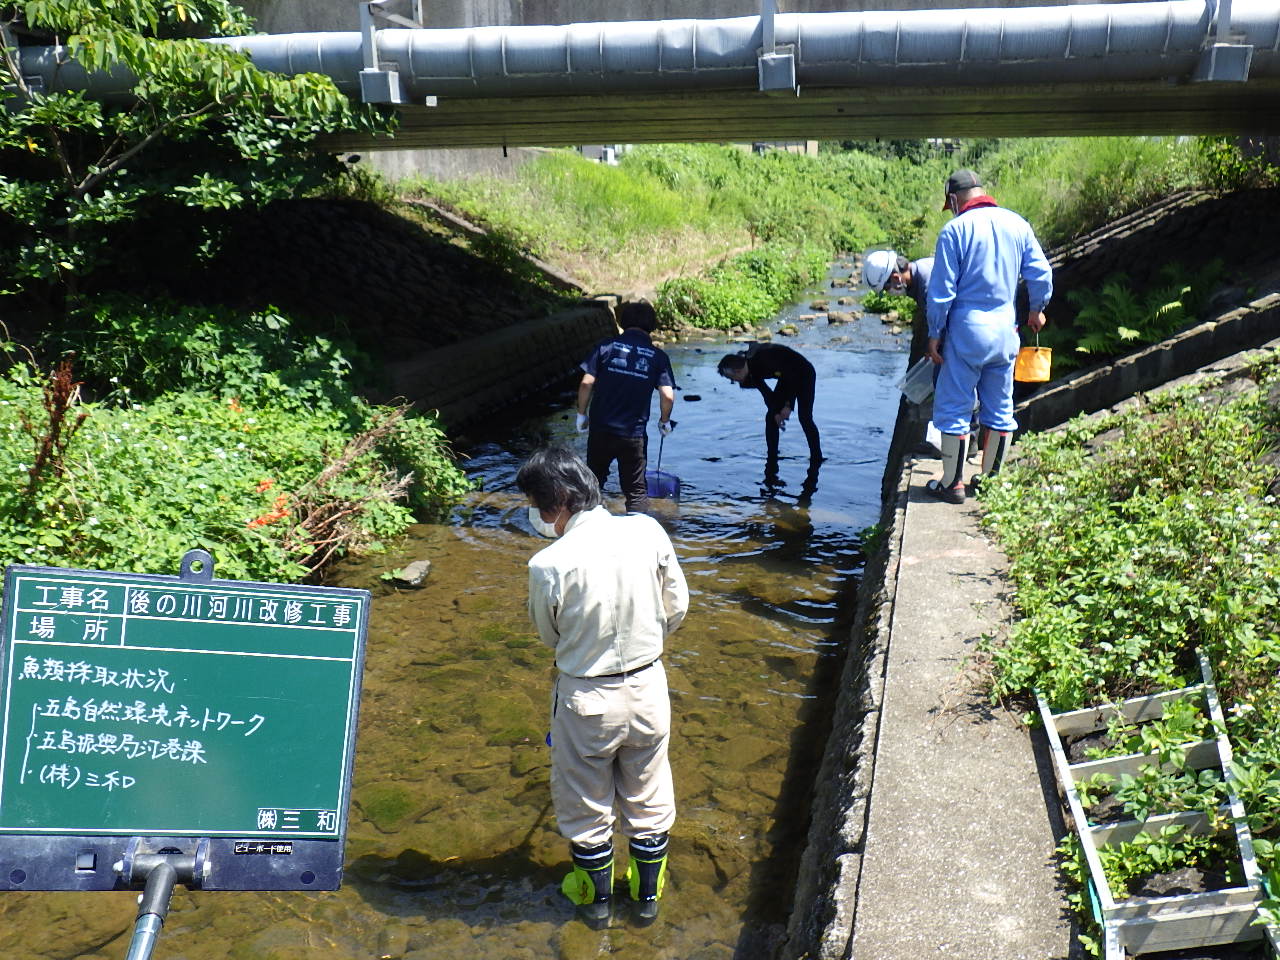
(452, 849)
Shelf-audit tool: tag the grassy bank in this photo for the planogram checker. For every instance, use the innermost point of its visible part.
(1135, 540)
(673, 222)
(716, 234)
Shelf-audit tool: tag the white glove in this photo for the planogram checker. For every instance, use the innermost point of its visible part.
(582, 423)
(666, 426)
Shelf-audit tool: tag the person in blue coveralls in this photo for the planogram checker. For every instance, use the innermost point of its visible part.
(973, 335)
(614, 397)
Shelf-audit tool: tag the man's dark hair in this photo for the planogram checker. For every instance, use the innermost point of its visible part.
(731, 361)
(638, 313)
(556, 477)
(903, 263)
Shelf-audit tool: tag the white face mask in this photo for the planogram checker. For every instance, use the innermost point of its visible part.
(541, 526)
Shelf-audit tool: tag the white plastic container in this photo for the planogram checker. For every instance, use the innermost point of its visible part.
(917, 384)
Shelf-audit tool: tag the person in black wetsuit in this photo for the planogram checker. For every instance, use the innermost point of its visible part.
(796, 381)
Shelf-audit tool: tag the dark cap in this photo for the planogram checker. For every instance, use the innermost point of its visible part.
(962, 179)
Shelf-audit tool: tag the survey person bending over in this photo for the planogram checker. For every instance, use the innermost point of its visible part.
(604, 597)
(796, 383)
(979, 257)
(614, 397)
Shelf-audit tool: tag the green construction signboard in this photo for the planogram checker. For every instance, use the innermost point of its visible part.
(145, 706)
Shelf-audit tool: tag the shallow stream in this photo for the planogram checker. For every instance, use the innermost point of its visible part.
(452, 849)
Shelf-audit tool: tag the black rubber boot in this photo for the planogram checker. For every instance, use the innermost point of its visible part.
(590, 886)
(647, 875)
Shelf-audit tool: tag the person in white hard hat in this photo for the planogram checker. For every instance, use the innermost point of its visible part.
(979, 257)
(887, 271)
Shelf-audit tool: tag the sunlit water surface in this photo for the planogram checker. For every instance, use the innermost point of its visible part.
(452, 847)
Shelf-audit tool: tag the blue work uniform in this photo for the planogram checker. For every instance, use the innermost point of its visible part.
(627, 368)
(978, 259)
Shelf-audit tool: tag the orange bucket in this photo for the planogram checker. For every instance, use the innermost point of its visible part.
(1033, 363)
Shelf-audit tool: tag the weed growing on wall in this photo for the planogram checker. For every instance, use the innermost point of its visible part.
(1118, 317)
(1133, 541)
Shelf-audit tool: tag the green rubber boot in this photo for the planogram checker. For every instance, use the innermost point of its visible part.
(590, 885)
(647, 876)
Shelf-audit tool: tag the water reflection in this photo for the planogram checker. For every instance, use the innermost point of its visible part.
(452, 849)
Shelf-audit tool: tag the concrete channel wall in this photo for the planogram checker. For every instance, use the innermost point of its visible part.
(476, 378)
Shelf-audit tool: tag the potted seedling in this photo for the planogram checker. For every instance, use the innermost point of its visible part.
(1149, 784)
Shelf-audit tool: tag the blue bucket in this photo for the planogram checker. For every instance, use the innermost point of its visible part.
(661, 485)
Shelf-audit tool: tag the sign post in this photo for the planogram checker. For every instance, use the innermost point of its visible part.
(203, 726)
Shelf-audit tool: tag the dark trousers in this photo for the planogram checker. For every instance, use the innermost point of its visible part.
(603, 448)
(803, 407)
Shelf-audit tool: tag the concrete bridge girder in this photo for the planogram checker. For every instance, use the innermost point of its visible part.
(843, 113)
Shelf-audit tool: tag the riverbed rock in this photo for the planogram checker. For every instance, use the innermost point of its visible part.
(839, 316)
(847, 301)
(788, 330)
(412, 576)
(741, 752)
(840, 282)
(819, 305)
(808, 317)
(890, 317)
(577, 941)
(895, 330)
(393, 941)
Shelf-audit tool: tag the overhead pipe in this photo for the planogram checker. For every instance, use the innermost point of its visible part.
(1173, 40)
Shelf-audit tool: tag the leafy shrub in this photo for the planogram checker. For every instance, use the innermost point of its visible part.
(143, 483)
(877, 302)
(1128, 558)
(142, 349)
(742, 290)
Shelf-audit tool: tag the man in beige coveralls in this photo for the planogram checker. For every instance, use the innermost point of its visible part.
(604, 596)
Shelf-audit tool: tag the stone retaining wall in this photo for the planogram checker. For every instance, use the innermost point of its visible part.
(472, 379)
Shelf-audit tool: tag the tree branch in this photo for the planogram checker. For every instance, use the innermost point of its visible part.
(93, 179)
(7, 45)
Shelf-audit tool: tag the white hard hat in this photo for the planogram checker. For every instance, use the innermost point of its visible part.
(877, 268)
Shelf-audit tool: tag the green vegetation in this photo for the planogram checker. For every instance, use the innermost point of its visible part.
(672, 209)
(133, 428)
(1134, 540)
(275, 480)
(206, 131)
(876, 302)
(742, 290)
(1117, 318)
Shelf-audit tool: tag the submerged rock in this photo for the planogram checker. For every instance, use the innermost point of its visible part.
(412, 576)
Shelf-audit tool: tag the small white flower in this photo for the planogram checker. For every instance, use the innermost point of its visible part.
(115, 380)
(137, 406)
(93, 521)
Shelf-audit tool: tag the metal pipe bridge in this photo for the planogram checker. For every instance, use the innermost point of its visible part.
(1173, 67)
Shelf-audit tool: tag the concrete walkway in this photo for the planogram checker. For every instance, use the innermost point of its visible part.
(958, 858)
